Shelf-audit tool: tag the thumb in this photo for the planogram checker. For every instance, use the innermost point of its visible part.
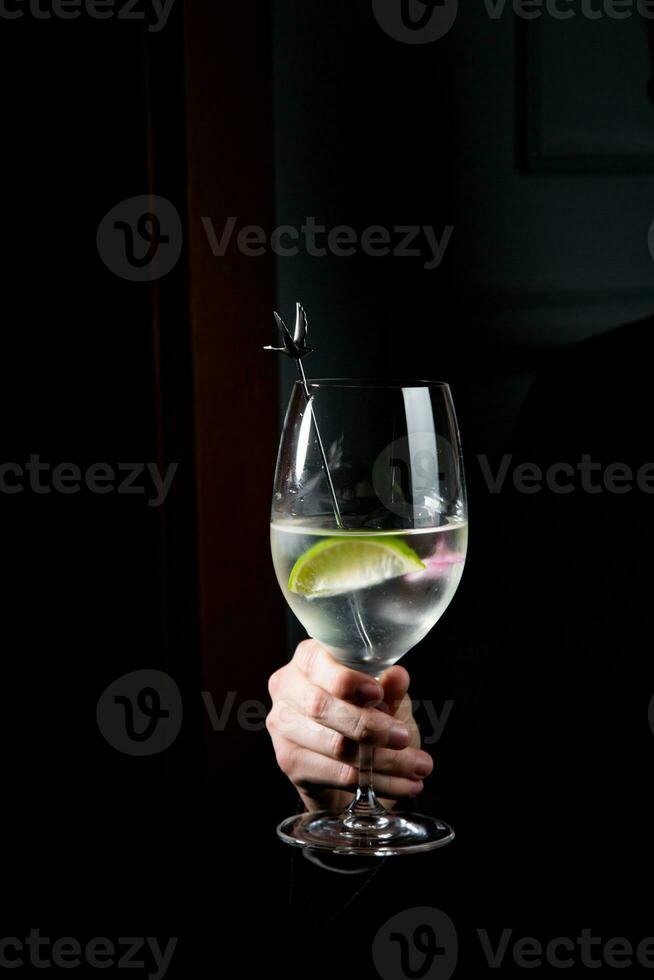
(395, 683)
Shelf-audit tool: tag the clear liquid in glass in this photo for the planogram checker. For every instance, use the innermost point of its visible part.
(371, 628)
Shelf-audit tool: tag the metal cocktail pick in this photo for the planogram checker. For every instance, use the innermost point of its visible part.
(295, 347)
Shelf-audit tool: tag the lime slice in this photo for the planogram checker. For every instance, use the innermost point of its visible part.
(343, 564)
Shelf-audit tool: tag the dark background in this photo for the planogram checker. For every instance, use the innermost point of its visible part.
(272, 113)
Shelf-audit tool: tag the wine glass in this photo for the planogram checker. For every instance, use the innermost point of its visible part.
(368, 537)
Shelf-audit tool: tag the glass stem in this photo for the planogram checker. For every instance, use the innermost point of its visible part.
(365, 813)
(365, 796)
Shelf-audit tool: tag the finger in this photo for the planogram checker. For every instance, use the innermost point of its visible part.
(286, 722)
(309, 770)
(362, 724)
(323, 670)
(394, 788)
(395, 683)
(408, 763)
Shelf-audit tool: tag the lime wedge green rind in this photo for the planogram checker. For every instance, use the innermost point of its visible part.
(344, 564)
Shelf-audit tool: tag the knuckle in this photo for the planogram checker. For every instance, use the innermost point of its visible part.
(271, 722)
(305, 655)
(274, 682)
(337, 745)
(317, 703)
(346, 775)
(286, 758)
(285, 718)
(363, 730)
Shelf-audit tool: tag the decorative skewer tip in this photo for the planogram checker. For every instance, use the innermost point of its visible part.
(294, 346)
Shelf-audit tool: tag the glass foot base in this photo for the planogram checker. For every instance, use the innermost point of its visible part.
(395, 833)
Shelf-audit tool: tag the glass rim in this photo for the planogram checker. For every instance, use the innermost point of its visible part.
(393, 383)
